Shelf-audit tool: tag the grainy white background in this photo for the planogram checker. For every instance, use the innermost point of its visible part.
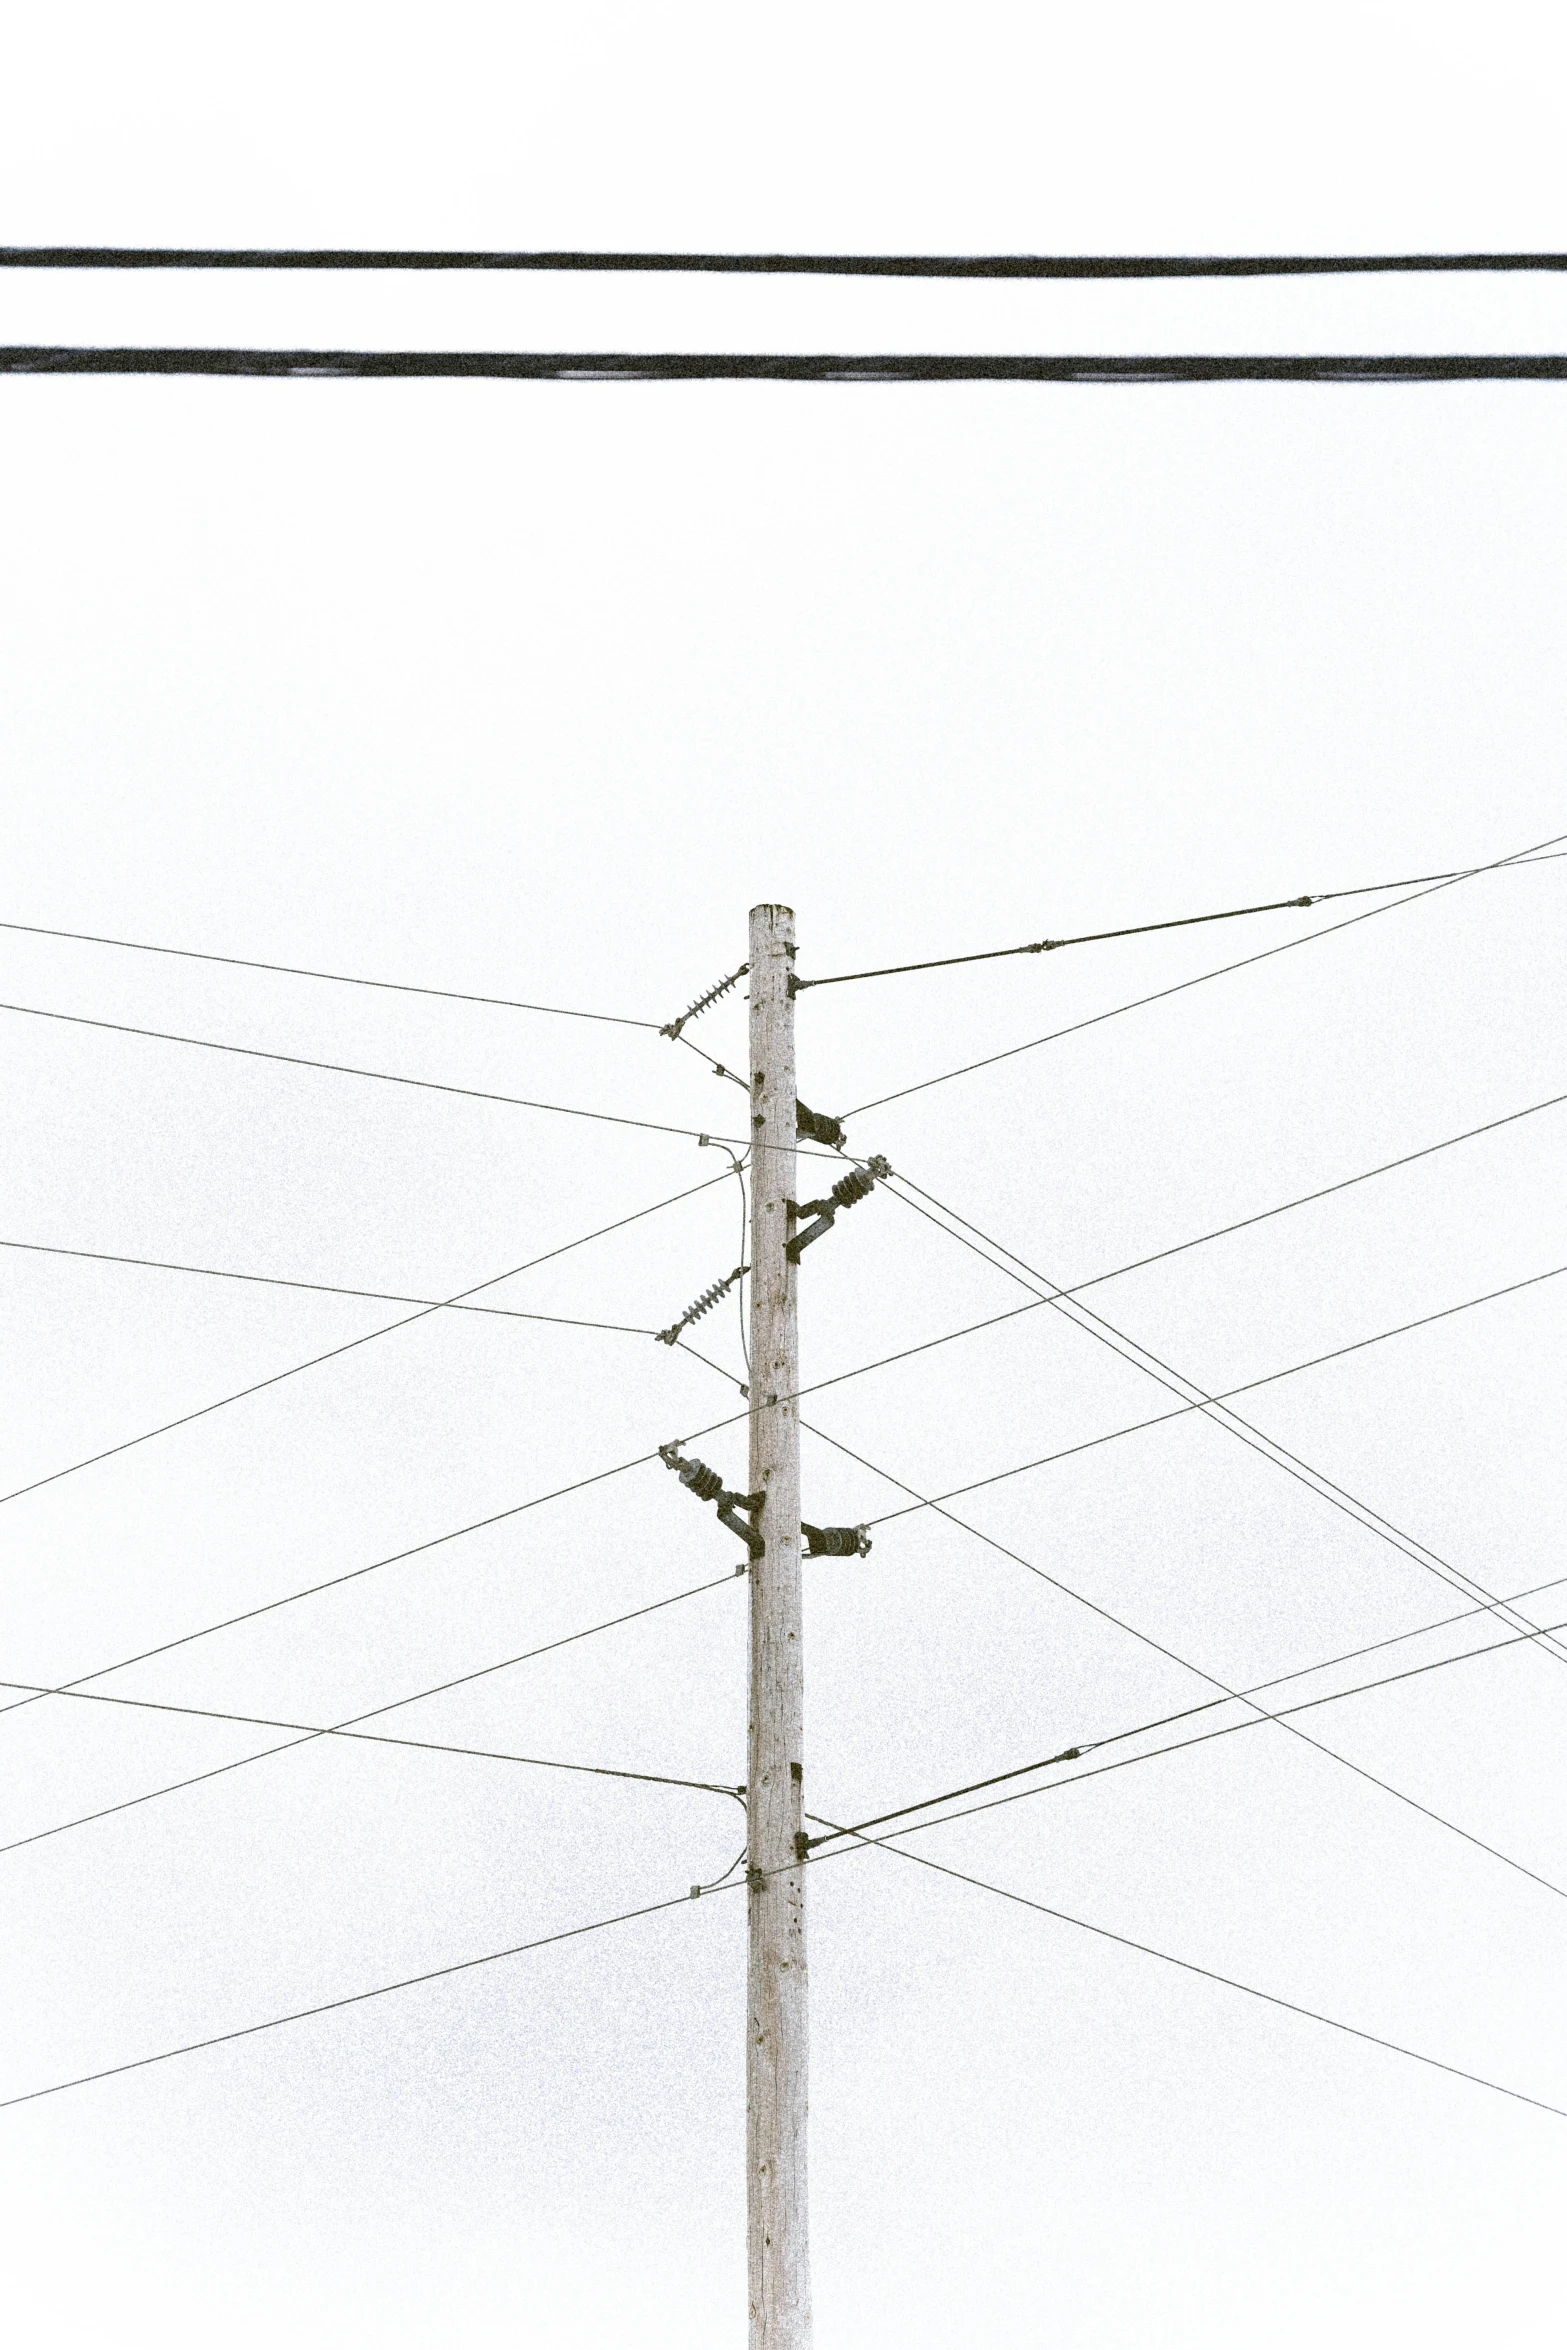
(532, 691)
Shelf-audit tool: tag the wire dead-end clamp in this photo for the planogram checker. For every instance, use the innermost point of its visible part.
(836, 1542)
(707, 1485)
(847, 1192)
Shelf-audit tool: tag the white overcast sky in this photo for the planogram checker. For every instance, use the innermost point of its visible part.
(531, 691)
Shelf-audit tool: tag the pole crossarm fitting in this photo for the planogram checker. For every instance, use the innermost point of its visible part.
(707, 1485)
(836, 1542)
(672, 1028)
(704, 1304)
(847, 1192)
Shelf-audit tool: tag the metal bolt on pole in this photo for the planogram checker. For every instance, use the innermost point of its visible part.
(776, 2045)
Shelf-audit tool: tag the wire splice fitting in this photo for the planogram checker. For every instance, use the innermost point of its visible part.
(813, 1126)
(836, 1542)
(847, 1192)
(704, 1304)
(707, 1485)
(672, 1028)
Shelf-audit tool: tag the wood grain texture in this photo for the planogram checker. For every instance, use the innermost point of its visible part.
(776, 1987)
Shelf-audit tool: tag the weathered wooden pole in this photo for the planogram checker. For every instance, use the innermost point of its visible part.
(776, 2039)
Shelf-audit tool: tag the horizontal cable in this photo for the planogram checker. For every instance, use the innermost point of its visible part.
(1208, 1974)
(1221, 971)
(452, 995)
(1089, 1746)
(939, 265)
(793, 366)
(312, 1362)
(1246, 1432)
(1047, 946)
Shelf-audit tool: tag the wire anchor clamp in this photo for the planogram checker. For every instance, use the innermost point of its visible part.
(672, 1028)
(814, 1126)
(847, 1192)
(836, 1542)
(704, 1304)
(707, 1485)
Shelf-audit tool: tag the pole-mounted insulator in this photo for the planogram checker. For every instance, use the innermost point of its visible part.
(836, 1542)
(847, 1192)
(704, 1304)
(707, 1485)
(673, 1027)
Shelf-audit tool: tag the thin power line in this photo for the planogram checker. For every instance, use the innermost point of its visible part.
(937, 265)
(835, 367)
(652, 1909)
(1046, 946)
(138, 946)
(1090, 1746)
(312, 1362)
(1166, 1375)
(1209, 1974)
(1221, 971)
(1121, 1624)
(347, 1728)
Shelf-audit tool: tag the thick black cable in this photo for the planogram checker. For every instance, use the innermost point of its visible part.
(312, 1362)
(1047, 946)
(1246, 1432)
(937, 265)
(1189, 1966)
(834, 367)
(1201, 1672)
(1221, 971)
(451, 995)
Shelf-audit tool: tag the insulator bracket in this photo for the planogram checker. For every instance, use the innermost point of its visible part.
(847, 1192)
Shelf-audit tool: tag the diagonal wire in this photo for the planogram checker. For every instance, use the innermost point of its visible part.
(1190, 1967)
(349, 1727)
(1245, 1431)
(139, 946)
(385, 1330)
(1161, 1648)
(1161, 994)
(1047, 946)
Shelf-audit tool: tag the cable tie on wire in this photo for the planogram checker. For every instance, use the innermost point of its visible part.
(704, 1304)
(672, 1028)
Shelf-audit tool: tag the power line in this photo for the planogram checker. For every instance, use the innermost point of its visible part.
(1178, 1248)
(937, 265)
(1115, 367)
(1245, 1431)
(1089, 1746)
(301, 2015)
(1180, 986)
(652, 1909)
(1147, 1640)
(349, 1727)
(1046, 946)
(138, 946)
(1209, 1974)
(312, 1362)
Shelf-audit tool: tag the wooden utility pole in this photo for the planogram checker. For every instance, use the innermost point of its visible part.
(775, 2059)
